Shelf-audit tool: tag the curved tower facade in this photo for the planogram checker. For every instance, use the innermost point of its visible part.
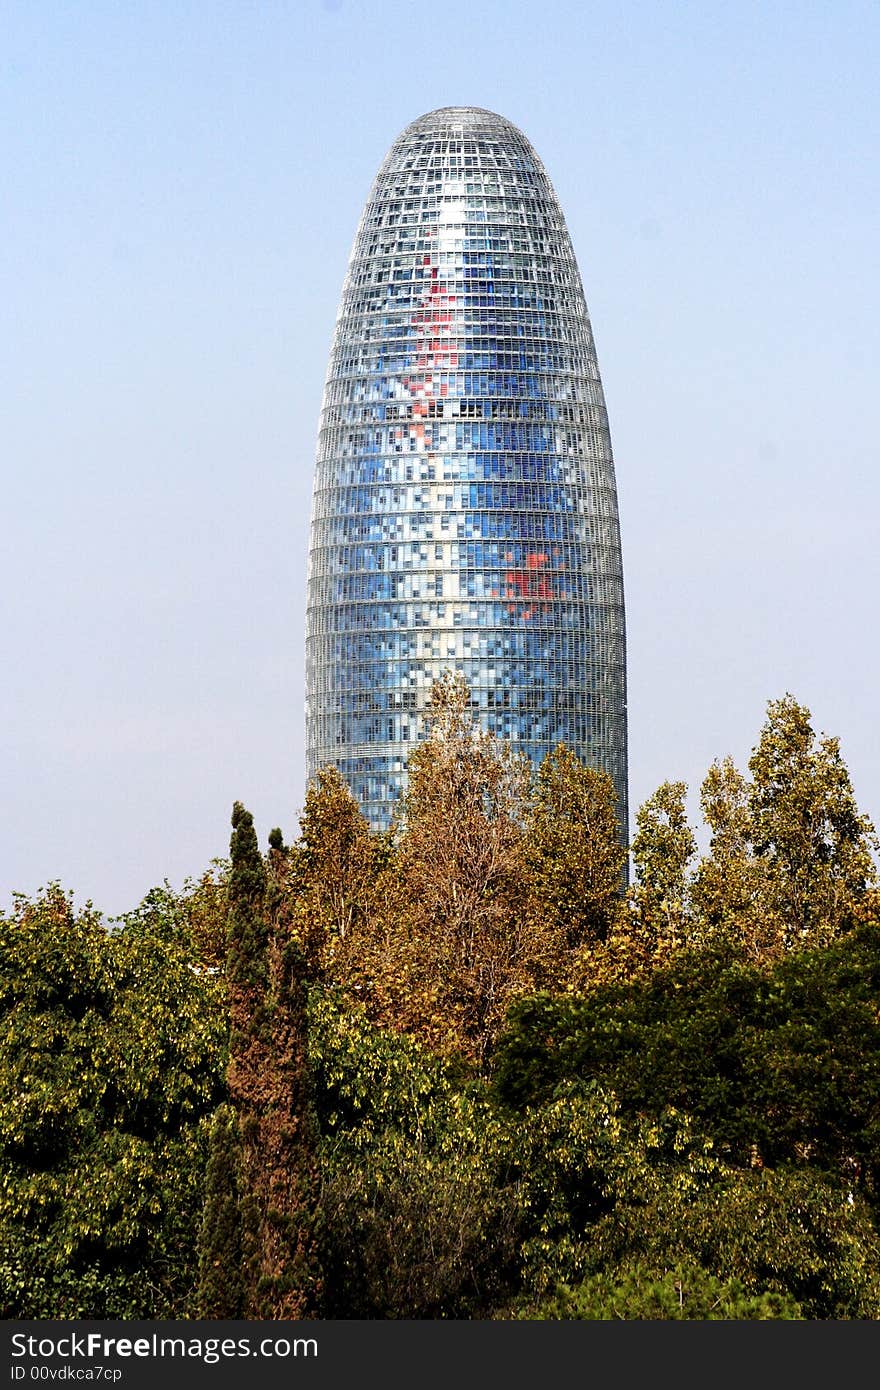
(465, 509)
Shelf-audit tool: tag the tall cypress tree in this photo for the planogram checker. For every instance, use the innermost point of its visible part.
(269, 1087)
(248, 935)
(221, 1287)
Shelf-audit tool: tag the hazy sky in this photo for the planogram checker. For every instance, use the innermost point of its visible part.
(181, 186)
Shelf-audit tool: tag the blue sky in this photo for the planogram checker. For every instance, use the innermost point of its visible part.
(182, 183)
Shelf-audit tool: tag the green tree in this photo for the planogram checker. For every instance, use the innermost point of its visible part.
(640, 1292)
(573, 849)
(195, 917)
(663, 850)
(334, 868)
(602, 1191)
(778, 1066)
(111, 1057)
(730, 892)
(248, 932)
(418, 1218)
(221, 1291)
(799, 1234)
(806, 827)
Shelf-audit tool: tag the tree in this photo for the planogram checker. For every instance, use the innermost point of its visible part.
(455, 946)
(248, 934)
(574, 850)
(440, 945)
(418, 1218)
(270, 1089)
(806, 827)
(730, 891)
(640, 1292)
(111, 1057)
(460, 849)
(333, 869)
(778, 1064)
(663, 849)
(196, 916)
(221, 1291)
(603, 1191)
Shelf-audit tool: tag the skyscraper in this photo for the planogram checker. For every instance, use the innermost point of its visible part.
(465, 508)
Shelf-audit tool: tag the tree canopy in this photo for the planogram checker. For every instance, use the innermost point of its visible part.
(461, 1068)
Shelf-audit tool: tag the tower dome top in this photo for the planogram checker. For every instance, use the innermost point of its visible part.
(461, 120)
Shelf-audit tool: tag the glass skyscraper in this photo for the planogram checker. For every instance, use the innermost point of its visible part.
(465, 508)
